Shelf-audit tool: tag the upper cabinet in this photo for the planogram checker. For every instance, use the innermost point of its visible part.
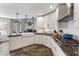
(49, 21)
(40, 23)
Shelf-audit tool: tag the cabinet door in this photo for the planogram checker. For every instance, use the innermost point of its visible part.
(46, 41)
(17, 43)
(11, 43)
(40, 23)
(39, 39)
(27, 40)
(57, 51)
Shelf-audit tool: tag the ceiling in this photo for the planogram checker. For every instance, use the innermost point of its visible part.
(9, 10)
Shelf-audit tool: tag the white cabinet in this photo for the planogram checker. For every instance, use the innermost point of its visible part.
(49, 42)
(15, 43)
(50, 21)
(27, 40)
(11, 43)
(57, 51)
(46, 41)
(19, 42)
(40, 22)
(39, 39)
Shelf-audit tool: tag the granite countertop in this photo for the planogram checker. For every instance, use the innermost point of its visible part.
(69, 48)
(47, 34)
(21, 34)
(14, 35)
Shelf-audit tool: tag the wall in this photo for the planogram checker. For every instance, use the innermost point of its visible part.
(26, 26)
(29, 26)
(76, 19)
(76, 15)
(5, 22)
(66, 22)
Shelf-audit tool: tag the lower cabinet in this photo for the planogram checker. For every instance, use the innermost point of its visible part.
(19, 42)
(46, 41)
(57, 51)
(39, 39)
(15, 43)
(28, 40)
(22, 41)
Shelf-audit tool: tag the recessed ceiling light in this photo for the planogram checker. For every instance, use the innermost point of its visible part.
(51, 7)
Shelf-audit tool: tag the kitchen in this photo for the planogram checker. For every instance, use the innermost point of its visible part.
(23, 25)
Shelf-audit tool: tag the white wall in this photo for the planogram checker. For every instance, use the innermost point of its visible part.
(76, 15)
(27, 26)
